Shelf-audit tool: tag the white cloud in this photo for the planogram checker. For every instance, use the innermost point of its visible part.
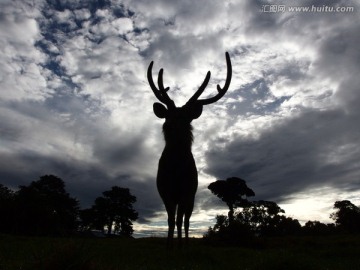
(22, 75)
(82, 14)
(123, 25)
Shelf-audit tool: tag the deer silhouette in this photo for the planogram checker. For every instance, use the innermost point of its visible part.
(177, 177)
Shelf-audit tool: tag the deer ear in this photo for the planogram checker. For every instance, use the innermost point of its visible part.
(196, 111)
(160, 110)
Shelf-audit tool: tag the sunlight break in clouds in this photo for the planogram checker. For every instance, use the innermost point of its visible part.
(75, 101)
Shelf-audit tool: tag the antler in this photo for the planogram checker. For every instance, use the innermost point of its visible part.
(160, 93)
(221, 91)
(162, 96)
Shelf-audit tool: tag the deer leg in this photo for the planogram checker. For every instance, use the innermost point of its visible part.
(171, 224)
(186, 225)
(187, 221)
(179, 222)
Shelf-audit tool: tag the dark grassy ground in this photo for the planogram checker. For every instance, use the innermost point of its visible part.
(325, 252)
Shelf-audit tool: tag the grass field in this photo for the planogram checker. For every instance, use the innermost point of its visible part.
(331, 252)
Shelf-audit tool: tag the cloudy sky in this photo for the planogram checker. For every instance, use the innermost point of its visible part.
(75, 101)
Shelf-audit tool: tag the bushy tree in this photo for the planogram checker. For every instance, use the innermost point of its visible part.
(266, 218)
(288, 226)
(226, 233)
(89, 220)
(45, 208)
(261, 216)
(346, 216)
(113, 209)
(318, 228)
(233, 191)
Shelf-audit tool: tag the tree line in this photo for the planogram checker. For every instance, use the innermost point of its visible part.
(44, 207)
(248, 219)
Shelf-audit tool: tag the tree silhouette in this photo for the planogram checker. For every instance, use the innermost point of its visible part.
(266, 218)
(259, 218)
(233, 191)
(7, 199)
(91, 220)
(317, 228)
(45, 208)
(226, 233)
(347, 216)
(114, 208)
(261, 215)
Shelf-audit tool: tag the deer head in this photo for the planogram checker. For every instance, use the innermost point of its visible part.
(193, 108)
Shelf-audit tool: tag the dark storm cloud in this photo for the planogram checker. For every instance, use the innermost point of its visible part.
(256, 99)
(84, 181)
(311, 150)
(116, 159)
(339, 58)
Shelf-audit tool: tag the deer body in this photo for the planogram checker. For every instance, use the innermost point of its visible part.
(177, 177)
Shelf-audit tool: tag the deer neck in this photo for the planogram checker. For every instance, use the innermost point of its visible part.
(178, 139)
